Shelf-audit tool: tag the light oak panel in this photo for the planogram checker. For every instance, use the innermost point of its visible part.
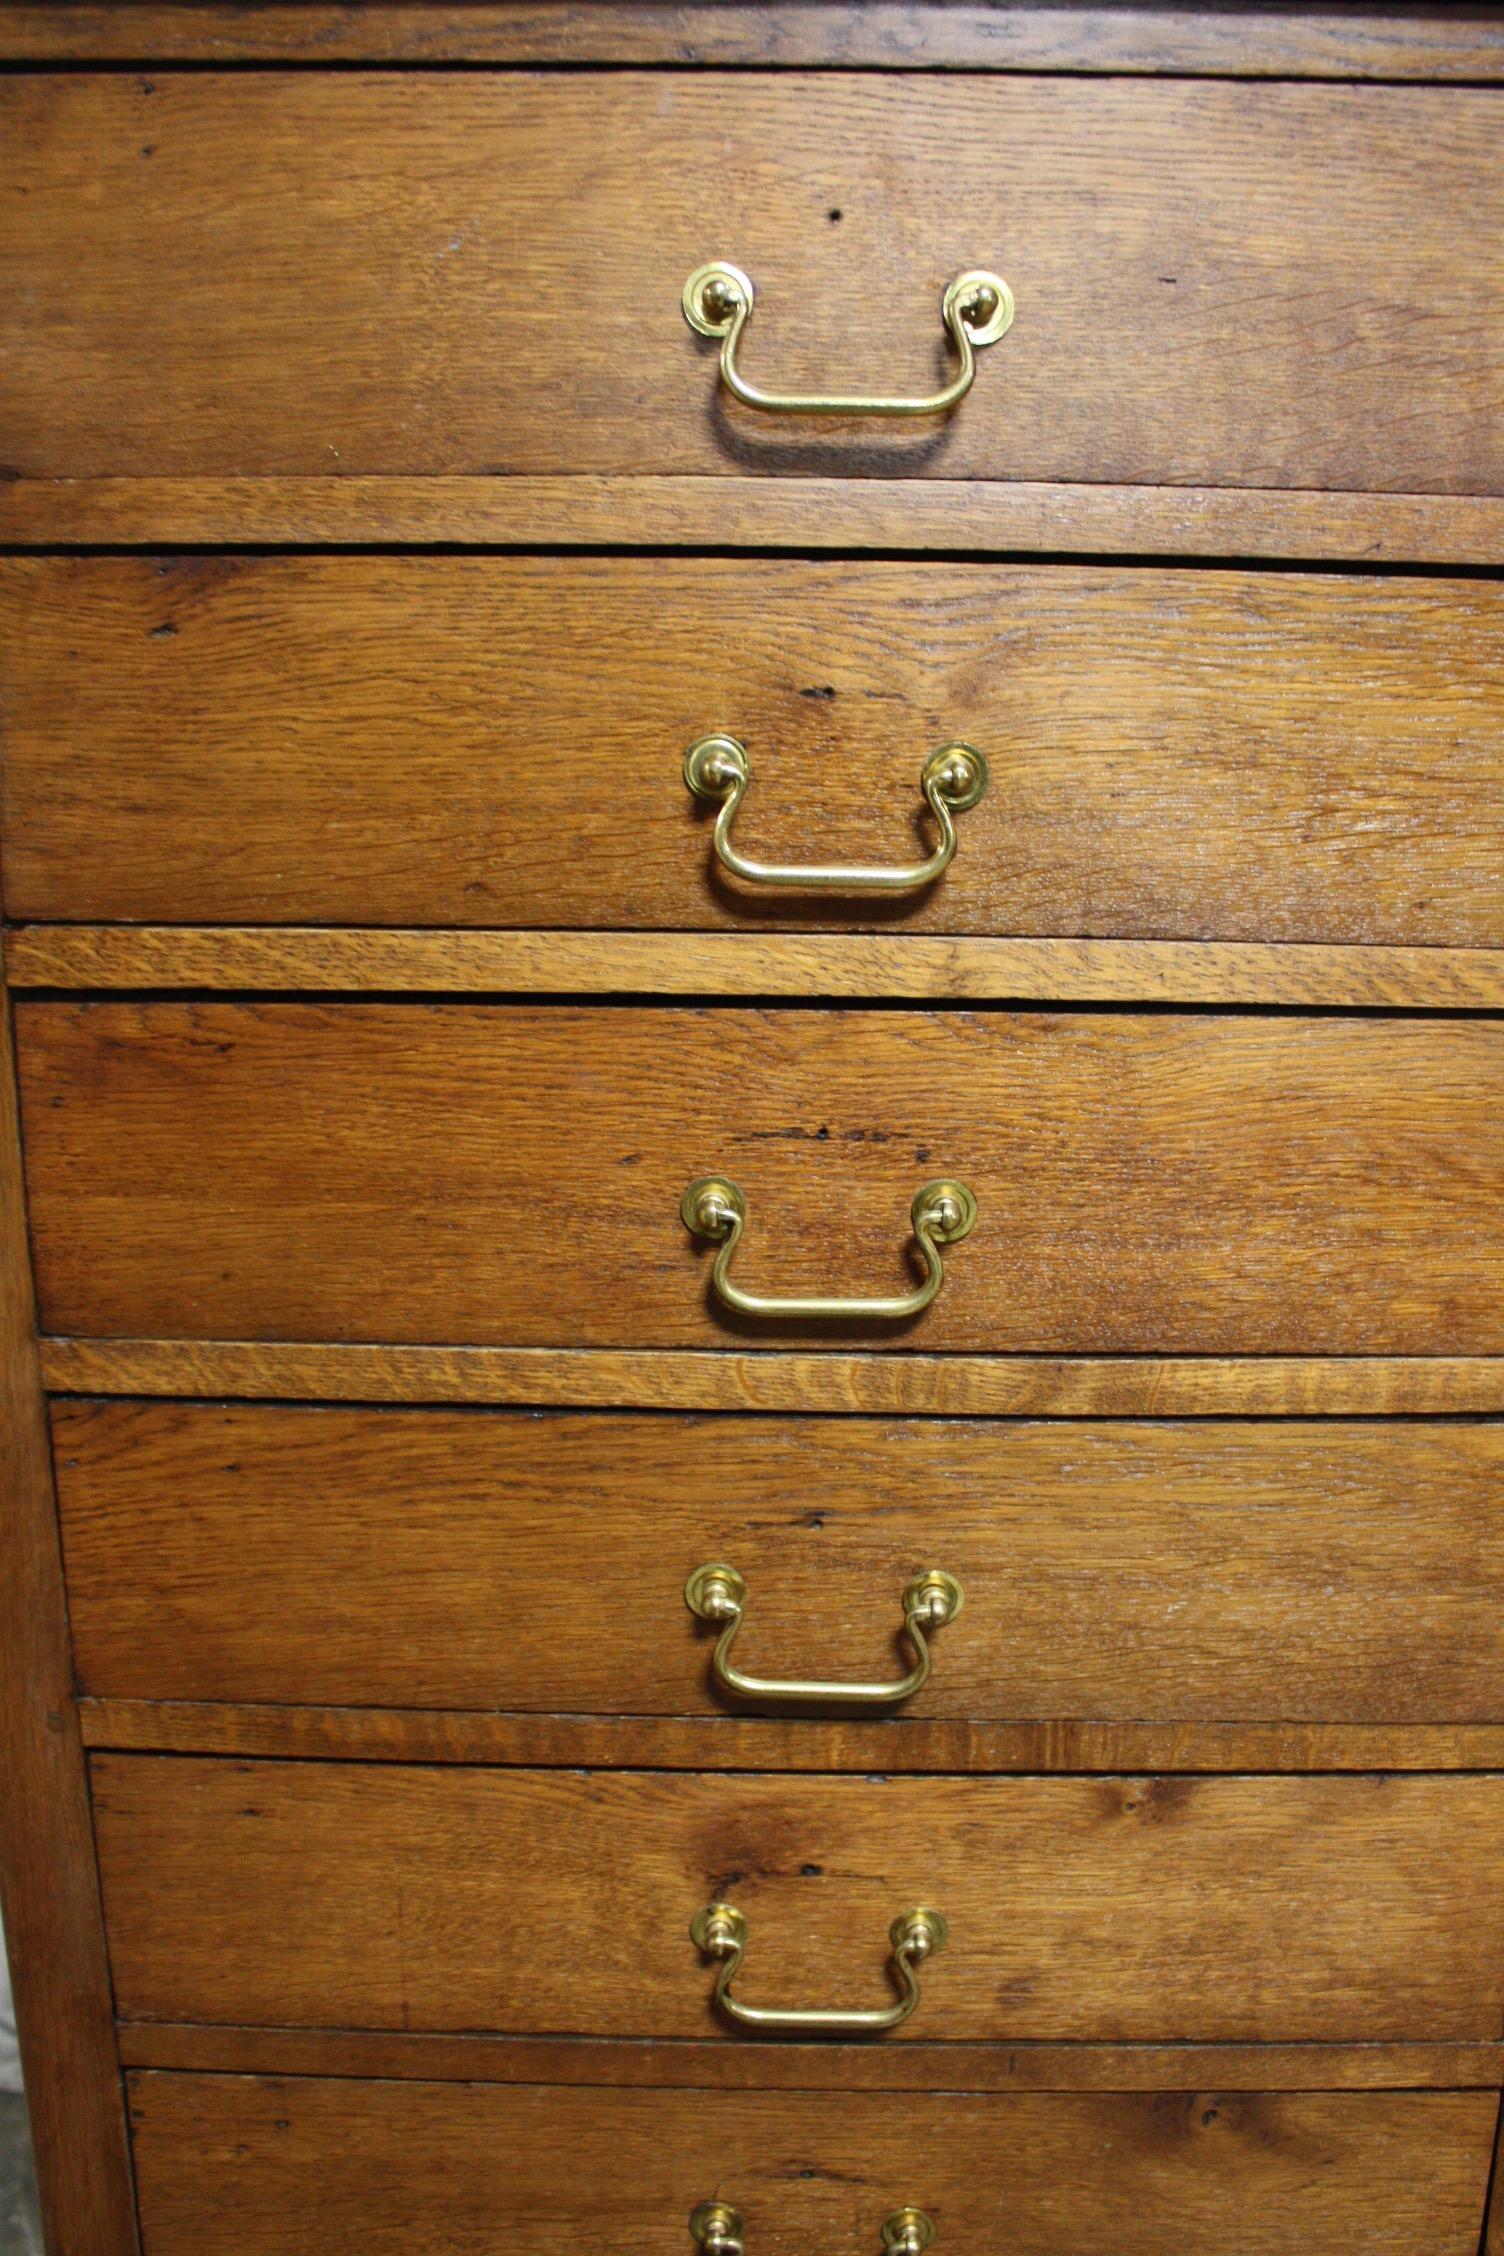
(533, 1902)
(1159, 1184)
(812, 513)
(472, 274)
(632, 2063)
(873, 35)
(949, 1386)
(909, 967)
(911, 1746)
(393, 741)
(1215, 1572)
(241, 2167)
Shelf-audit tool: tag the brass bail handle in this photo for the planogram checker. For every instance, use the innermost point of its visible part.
(720, 1932)
(717, 2229)
(942, 1214)
(977, 309)
(718, 1594)
(952, 780)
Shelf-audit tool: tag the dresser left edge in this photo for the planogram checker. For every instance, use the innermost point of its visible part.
(49, 1883)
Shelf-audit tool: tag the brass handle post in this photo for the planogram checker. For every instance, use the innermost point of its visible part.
(716, 2228)
(952, 780)
(908, 2232)
(720, 1932)
(942, 1214)
(718, 1594)
(977, 309)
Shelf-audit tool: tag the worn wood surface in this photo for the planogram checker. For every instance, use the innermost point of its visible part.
(631, 2063)
(1043, 1386)
(143, 361)
(916, 1745)
(1376, 42)
(810, 513)
(240, 2167)
(912, 967)
(539, 1902)
(1330, 1573)
(393, 741)
(1166, 1184)
(48, 1882)
(481, 274)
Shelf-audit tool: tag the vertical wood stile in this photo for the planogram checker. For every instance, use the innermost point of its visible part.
(48, 1881)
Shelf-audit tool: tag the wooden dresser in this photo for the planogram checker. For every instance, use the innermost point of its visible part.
(752, 1137)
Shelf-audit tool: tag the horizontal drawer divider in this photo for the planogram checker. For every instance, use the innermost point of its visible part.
(911, 967)
(909, 515)
(695, 2063)
(938, 1386)
(726, 1743)
(724, 34)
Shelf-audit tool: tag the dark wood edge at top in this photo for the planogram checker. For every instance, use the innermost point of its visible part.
(915, 967)
(705, 2064)
(48, 1881)
(1414, 42)
(907, 1745)
(902, 1384)
(809, 515)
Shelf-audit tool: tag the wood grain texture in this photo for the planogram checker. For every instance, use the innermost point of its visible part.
(535, 1902)
(48, 1881)
(632, 2063)
(235, 2167)
(911, 967)
(807, 513)
(1170, 1184)
(1333, 1574)
(397, 284)
(394, 741)
(915, 1746)
(1379, 42)
(955, 1386)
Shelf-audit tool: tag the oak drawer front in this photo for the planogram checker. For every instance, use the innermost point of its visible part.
(263, 2166)
(1170, 1183)
(1312, 1572)
(535, 1902)
(1235, 756)
(482, 274)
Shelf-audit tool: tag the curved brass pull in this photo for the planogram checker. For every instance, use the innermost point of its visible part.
(720, 1931)
(719, 1594)
(717, 2228)
(977, 309)
(952, 779)
(943, 1213)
